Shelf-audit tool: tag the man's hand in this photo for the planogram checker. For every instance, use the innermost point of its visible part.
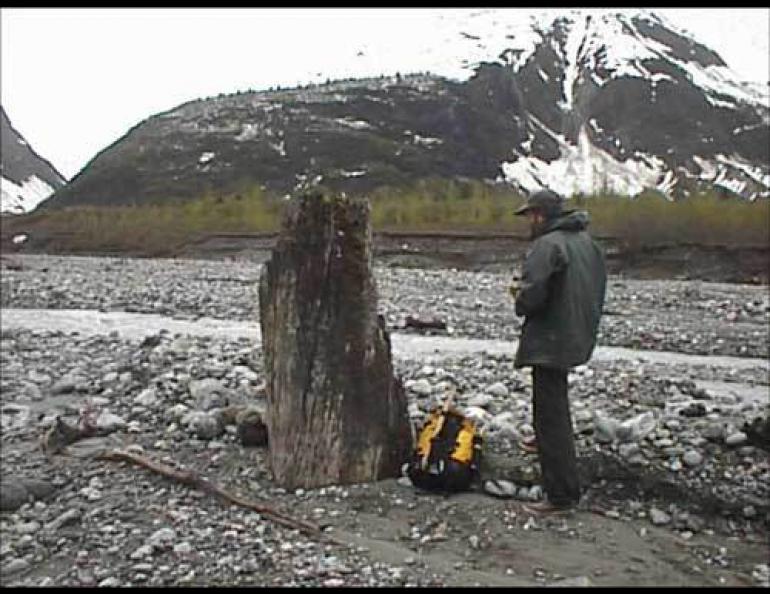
(514, 288)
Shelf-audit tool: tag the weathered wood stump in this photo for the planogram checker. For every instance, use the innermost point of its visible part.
(336, 414)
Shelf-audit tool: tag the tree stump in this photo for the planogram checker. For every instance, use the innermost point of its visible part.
(336, 414)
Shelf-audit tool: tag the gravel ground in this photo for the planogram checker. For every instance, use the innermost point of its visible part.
(682, 316)
(677, 486)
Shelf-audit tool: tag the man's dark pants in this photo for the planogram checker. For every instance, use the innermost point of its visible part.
(553, 431)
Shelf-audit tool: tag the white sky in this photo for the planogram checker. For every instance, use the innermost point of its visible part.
(73, 81)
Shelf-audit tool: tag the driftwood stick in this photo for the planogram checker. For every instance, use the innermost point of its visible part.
(191, 479)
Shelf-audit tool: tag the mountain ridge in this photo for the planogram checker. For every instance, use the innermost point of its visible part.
(587, 103)
(27, 177)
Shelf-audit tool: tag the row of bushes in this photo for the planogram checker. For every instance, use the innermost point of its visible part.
(427, 206)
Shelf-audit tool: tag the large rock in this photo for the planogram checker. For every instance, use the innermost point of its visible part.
(209, 393)
(16, 491)
(336, 413)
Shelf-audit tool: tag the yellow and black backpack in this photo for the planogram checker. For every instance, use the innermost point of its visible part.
(448, 453)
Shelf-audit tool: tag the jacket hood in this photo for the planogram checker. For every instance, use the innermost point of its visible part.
(573, 220)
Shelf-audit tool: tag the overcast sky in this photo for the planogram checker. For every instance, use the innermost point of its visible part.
(73, 81)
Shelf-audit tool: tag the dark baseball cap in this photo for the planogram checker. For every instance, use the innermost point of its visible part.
(549, 202)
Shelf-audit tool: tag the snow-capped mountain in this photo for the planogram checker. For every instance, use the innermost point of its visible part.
(580, 102)
(632, 62)
(27, 179)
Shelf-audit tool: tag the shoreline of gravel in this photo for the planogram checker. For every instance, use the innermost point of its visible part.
(684, 503)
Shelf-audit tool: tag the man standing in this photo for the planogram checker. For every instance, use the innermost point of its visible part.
(560, 295)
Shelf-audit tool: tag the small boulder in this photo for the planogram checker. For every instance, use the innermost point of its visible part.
(204, 425)
(109, 422)
(209, 393)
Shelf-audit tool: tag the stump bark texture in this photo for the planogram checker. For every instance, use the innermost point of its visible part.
(336, 413)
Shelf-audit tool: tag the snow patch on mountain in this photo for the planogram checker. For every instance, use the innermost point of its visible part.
(733, 173)
(17, 199)
(587, 169)
(572, 49)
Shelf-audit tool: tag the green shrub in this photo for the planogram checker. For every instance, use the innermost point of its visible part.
(428, 205)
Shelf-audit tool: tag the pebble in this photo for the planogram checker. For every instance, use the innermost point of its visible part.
(91, 493)
(761, 574)
(142, 552)
(115, 369)
(582, 581)
(629, 450)
(714, 431)
(694, 523)
(162, 538)
(535, 493)
(736, 439)
(69, 516)
(28, 527)
(480, 400)
(209, 393)
(477, 414)
(204, 425)
(177, 412)
(692, 458)
(498, 389)
(421, 387)
(147, 397)
(110, 422)
(183, 548)
(659, 517)
(14, 566)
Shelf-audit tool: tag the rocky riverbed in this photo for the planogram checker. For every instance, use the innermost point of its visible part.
(677, 478)
(683, 316)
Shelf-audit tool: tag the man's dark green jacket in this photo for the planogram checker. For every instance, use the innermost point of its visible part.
(562, 295)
